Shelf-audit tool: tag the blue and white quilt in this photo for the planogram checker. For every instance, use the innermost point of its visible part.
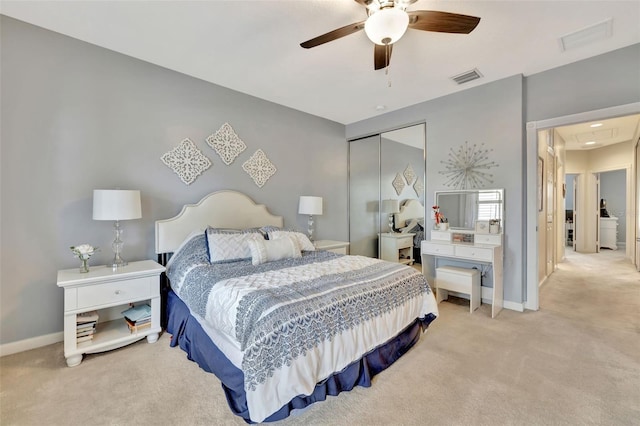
(297, 321)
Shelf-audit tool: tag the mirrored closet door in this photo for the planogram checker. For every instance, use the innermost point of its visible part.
(386, 181)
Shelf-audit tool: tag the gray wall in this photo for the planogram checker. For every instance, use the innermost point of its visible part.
(490, 114)
(600, 82)
(613, 188)
(76, 117)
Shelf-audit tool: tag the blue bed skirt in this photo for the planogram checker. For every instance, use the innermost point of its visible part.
(188, 334)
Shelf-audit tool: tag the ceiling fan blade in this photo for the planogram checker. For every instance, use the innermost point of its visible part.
(381, 56)
(442, 22)
(333, 35)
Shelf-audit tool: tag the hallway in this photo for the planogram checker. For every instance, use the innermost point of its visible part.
(602, 289)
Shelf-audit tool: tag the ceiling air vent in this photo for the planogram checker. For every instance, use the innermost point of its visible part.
(467, 76)
(587, 35)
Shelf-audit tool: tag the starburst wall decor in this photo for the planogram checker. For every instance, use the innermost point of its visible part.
(466, 167)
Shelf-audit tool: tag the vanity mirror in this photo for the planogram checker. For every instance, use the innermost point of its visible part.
(464, 209)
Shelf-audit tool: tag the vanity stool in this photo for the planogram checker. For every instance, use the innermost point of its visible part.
(460, 280)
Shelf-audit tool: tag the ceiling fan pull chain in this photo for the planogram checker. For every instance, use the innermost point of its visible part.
(386, 70)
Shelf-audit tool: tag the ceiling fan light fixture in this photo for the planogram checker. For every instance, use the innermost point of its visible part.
(386, 26)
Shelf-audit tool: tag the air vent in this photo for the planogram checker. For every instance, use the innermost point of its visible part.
(587, 35)
(467, 76)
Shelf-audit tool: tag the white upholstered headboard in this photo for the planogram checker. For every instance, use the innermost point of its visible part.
(221, 209)
(411, 209)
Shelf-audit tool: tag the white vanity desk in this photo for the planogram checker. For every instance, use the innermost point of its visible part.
(485, 249)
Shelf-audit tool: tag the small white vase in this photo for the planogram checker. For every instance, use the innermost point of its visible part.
(493, 229)
(443, 226)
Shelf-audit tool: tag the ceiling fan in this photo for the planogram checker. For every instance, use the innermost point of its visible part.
(387, 22)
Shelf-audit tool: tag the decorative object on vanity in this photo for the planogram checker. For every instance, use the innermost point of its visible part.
(226, 143)
(439, 219)
(482, 227)
(388, 21)
(494, 226)
(466, 167)
(390, 207)
(84, 252)
(187, 161)
(116, 205)
(398, 183)
(409, 174)
(312, 206)
(419, 187)
(259, 167)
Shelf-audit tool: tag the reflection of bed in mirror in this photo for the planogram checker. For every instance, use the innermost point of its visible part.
(411, 219)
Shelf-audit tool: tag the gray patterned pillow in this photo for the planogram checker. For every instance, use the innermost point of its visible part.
(230, 245)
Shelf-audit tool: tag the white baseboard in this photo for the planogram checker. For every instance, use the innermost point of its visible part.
(487, 298)
(32, 343)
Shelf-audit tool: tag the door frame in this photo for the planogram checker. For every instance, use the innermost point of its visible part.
(531, 213)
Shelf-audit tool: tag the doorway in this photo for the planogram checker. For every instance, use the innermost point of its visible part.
(533, 180)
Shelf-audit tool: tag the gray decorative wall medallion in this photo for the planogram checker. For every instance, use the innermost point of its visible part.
(259, 167)
(226, 143)
(466, 167)
(186, 161)
(419, 187)
(409, 174)
(398, 183)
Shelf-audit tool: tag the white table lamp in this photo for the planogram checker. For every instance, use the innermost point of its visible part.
(391, 207)
(116, 205)
(311, 206)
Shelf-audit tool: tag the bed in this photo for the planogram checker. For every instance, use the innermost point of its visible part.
(284, 327)
(410, 218)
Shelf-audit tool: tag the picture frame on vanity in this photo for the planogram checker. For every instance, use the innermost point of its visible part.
(482, 226)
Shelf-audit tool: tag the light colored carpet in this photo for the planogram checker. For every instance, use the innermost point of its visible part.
(576, 361)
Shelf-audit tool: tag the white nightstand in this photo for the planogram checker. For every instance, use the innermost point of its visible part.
(100, 289)
(397, 247)
(339, 247)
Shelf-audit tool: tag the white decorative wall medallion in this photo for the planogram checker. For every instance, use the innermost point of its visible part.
(409, 174)
(226, 143)
(398, 183)
(466, 167)
(259, 167)
(187, 161)
(419, 187)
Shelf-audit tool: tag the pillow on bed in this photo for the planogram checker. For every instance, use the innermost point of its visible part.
(303, 241)
(263, 251)
(230, 245)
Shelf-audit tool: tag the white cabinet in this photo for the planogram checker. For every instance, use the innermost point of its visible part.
(397, 247)
(609, 232)
(339, 247)
(109, 292)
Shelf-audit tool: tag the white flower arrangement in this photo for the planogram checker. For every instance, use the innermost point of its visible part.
(84, 251)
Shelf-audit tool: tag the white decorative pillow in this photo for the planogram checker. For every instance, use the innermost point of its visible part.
(232, 246)
(303, 241)
(263, 251)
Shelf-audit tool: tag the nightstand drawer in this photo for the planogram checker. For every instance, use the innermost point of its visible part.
(114, 292)
(405, 242)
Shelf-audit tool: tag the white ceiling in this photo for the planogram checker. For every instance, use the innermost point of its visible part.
(253, 46)
(615, 130)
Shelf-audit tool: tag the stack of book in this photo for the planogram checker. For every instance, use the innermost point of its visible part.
(86, 326)
(138, 317)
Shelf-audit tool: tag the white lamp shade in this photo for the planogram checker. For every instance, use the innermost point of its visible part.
(116, 204)
(386, 26)
(390, 206)
(310, 205)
